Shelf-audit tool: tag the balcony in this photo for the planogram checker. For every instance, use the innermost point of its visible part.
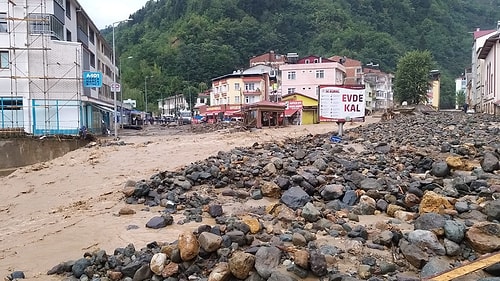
(256, 92)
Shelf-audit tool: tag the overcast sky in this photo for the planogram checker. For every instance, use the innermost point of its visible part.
(106, 12)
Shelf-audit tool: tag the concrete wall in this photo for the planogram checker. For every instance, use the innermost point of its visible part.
(18, 152)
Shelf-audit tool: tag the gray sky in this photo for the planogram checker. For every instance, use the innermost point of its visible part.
(106, 12)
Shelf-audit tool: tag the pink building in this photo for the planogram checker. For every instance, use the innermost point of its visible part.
(303, 76)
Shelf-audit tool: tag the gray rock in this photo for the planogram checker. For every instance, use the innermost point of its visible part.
(183, 183)
(350, 197)
(79, 267)
(310, 213)
(209, 242)
(413, 254)
(318, 263)
(430, 221)
(215, 210)
(17, 275)
(454, 230)
(440, 169)
(143, 273)
(295, 198)
(492, 210)
(426, 239)
(452, 248)
(158, 222)
(332, 191)
(266, 260)
(434, 266)
(462, 206)
(489, 279)
(490, 162)
(369, 184)
(320, 164)
(493, 269)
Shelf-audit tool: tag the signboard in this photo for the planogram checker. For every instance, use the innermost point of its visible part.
(116, 87)
(92, 79)
(341, 103)
(294, 105)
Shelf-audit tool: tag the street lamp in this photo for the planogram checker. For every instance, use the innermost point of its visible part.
(146, 94)
(114, 78)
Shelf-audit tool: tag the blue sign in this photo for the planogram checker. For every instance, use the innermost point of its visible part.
(92, 79)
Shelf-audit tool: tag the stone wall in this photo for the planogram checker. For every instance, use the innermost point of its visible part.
(18, 152)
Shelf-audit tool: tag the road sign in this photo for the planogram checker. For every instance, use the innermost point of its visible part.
(92, 79)
(116, 87)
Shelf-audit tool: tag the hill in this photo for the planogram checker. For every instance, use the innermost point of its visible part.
(185, 43)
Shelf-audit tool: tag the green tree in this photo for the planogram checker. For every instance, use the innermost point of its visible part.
(412, 77)
(461, 98)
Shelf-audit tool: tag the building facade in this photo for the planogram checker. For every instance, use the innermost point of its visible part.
(45, 47)
(306, 74)
(489, 80)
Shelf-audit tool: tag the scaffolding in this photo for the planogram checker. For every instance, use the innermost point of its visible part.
(45, 96)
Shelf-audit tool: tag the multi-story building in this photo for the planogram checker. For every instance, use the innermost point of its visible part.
(380, 85)
(353, 70)
(242, 87)
(489, 80)
(304, 75)
(474, 87)
(45, 48)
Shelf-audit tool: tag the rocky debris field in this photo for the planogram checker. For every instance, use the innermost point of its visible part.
(404, 199)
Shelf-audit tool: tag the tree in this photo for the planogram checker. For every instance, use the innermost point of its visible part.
(461, 98)
(412, 77)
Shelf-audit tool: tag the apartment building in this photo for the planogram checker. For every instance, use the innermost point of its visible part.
(45, 48)
(304, 75)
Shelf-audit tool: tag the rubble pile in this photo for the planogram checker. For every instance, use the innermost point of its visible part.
(202, 128)
(398, 200)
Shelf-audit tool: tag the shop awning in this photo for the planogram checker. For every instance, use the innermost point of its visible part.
(209, 113)
(290, 112)
(104, 108)
(232, 112)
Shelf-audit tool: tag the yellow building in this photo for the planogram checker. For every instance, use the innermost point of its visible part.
(309, 112)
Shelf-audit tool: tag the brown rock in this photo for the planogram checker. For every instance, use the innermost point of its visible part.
(189, 246)
(168, 249)
(126, 211)
(253, 224)
(270, 189)
(405, 216)
(170, 269)
(391, 209)
(458, 163)
(128, 191)
(114, 275)
(221, 272)
(301, 258)
(241, 264)
(411, 200)
(484, 237)
(434, 203)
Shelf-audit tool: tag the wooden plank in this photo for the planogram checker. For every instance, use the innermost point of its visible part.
(467, 268)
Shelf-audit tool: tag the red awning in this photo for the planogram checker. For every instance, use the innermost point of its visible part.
(232, 112)
(289, 112)
(213, 112)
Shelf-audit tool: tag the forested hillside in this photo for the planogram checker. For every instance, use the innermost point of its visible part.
(183, 43)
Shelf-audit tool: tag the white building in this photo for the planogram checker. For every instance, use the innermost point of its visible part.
(45, 47)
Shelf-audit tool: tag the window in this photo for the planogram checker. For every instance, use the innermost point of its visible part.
(236, 86)
(91, 35)
(320, 74)
(68, 9)
(237, 99)
(68, 35)
(60, 2)
(3, 22)
(291, 75)
(316, 60)
(11, 103)
(4, 59)
(291, 91)
(358, 70)
(46, 24)
(307, 61)
(247, 99)
(249, 87)
(92, 60)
